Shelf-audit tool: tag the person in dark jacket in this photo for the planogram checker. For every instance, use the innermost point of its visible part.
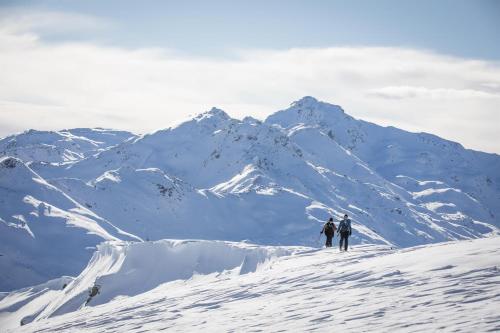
(329, 230)
(345, 231)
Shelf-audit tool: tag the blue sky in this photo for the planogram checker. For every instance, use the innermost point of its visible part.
(457, 27)
(142, 65)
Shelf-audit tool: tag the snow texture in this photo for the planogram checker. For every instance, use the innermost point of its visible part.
(152, 287)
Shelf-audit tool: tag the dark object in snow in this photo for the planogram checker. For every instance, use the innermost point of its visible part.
(93, 291)
(9, 163)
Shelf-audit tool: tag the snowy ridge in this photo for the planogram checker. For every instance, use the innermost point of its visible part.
(448, 286)
(31, 301)
(124, 269)
(61, 146)
(218, 178)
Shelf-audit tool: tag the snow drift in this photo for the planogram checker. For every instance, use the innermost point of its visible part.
(450, 287)
(24, 305)
(125, 269)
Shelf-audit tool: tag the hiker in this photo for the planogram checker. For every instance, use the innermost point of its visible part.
(345, 231)
(329, 230)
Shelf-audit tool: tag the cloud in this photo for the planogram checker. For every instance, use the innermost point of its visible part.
(53, 85)
(46, 23)
(426, 93)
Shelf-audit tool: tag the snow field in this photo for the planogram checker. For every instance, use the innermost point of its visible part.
(450, 287)
(124, 269)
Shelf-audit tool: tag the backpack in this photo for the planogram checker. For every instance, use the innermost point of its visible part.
(344, 225)
(329, 228)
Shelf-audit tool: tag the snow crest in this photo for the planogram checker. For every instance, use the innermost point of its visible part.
(449, 287)
(126, 269)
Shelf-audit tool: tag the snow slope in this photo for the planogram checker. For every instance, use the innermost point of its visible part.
(124, 269)
(44, 233)
(218, 178)
(392, 152)
(282, 182)
(450, 287)
(60, 146)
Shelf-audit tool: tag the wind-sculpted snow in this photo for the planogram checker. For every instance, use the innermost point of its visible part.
(449, 287)
(124, 269)
(273, 182)
(31, 301)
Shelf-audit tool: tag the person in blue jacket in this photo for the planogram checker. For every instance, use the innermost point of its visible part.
(345, 231)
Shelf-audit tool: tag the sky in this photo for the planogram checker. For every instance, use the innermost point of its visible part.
(423, 66)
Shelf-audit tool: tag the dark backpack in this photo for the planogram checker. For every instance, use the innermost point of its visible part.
(329, 228)
(344, 226)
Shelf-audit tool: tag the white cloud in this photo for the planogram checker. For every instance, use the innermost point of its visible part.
(435, 93)
(21, 21)
(59, 85)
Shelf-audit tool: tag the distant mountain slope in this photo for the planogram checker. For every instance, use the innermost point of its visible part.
(43, 232)
(275, 182)
(392, 152)
(60, 146)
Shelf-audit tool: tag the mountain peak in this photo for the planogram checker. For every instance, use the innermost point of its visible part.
(311, 103)
(307, 110)
(217, 113)
(17, 176)
(305, 101)
(214, 115)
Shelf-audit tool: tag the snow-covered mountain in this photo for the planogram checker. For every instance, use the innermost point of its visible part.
(43, 231)
(217, 178)
(61, 146)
